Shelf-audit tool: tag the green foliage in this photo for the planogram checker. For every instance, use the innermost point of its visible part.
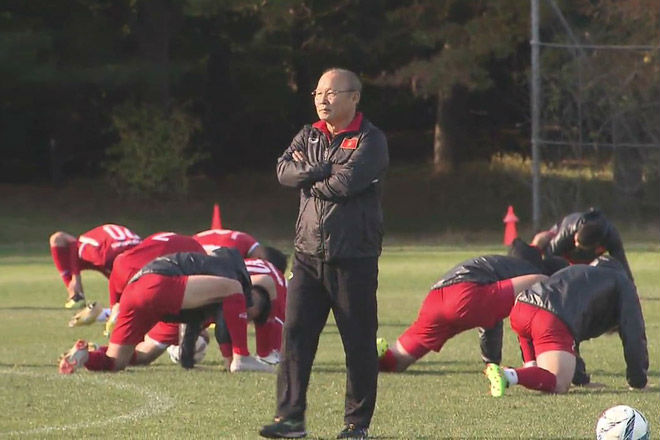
(153, 155)
(443, 396)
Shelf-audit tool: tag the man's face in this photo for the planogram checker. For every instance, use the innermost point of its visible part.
(335, 101)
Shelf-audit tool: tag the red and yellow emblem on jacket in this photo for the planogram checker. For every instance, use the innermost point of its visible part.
(349, 143)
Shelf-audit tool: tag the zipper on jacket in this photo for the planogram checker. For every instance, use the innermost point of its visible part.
(326, 153)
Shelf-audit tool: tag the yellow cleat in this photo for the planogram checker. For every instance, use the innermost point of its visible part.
(77, 302)
(381, 347)
(498, 383)
(86, 316)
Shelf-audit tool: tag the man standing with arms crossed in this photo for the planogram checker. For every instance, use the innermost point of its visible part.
(338, 164)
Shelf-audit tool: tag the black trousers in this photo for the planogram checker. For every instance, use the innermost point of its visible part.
(348, 288)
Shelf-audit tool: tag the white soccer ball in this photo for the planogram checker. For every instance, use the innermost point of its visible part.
(622, 422)
(200, 350)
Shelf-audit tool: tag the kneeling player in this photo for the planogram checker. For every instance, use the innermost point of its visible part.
(577, 303)
(476, 293)
(183, 287)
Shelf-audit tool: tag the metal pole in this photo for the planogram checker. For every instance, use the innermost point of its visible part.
(535, 104)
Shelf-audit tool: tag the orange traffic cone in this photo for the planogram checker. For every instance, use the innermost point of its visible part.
(216, 223)
(510, 232)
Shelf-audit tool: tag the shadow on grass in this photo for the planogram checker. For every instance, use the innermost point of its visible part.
(52, 365)
(32, 308)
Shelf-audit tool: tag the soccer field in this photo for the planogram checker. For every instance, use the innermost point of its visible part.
(444, 396)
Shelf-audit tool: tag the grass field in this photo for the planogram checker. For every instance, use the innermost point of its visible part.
(441, 397)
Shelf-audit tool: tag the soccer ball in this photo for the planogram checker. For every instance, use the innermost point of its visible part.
(622, 422)
(200, 349)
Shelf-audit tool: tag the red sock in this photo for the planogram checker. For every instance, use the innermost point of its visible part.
(99, 361)
(233, 310)
(74, 259)
(275, 335)
(387, 362)
(264, 339)
(62, 262)
(225, 349)
(537, 378)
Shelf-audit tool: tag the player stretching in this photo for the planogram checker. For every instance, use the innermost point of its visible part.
(476, 293)
(577, 303)
(183, 287)
(244, 243)
(93, 250)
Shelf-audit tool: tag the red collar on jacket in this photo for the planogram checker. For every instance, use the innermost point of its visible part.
(355, 125)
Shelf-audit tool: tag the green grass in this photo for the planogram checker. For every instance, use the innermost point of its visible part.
(443, 396)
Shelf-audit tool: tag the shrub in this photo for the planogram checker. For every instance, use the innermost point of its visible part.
(154, 153)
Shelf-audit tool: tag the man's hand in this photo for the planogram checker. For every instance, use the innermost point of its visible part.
(542, 239)
(298, 156)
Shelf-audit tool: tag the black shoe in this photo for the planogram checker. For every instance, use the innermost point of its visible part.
(284, 428)
(354, 432)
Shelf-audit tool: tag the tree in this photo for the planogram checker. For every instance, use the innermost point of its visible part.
(455, 41)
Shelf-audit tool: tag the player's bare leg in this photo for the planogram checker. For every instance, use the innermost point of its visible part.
(561, 364)
(120, 354)
(396, 359)
(552, 372)
(64, 252)
(148, 351)
(202, 290)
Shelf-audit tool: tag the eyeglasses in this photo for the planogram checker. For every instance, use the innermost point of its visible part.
(330, 93)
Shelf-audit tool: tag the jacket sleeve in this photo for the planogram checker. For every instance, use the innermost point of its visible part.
(490, 342)
(300, 174)
(633, 334)
(363, 169)
(615, 248)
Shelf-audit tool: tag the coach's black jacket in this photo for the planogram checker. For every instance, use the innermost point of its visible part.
(340, 184)
(488, 269)
(592, 300)
(563, 243)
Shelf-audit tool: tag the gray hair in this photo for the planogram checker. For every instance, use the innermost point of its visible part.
(353, 79)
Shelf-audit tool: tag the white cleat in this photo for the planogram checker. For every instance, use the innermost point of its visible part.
(272, 359)
(249, 363)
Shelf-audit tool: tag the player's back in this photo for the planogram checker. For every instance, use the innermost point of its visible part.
(215, 238)
(99, 247)
(154, 246)
(257, 266)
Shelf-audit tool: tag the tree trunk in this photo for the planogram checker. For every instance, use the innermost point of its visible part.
(157, 22)
(442, 155)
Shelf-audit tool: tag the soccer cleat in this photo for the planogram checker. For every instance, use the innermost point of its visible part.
(272, 359)
(498, 382)
(74, 358)
(248, 363)
(87, 315)
(351, 431)
(284, 428)
(76, 302)
(381, 347)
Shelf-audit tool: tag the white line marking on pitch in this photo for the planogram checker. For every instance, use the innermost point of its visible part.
(155, 403)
